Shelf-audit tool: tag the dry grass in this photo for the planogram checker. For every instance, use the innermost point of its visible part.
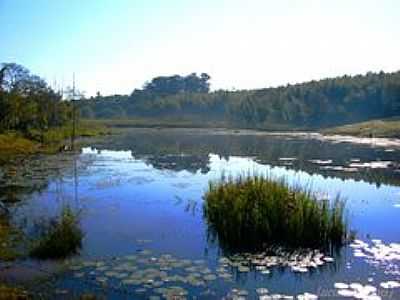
(376, 128)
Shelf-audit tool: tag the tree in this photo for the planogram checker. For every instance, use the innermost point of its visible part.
(27, 102)
(171, 85)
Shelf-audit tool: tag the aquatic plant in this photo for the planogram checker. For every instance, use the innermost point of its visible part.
(60, 237)
(252, 212)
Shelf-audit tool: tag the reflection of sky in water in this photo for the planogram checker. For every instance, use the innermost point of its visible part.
(125, 199)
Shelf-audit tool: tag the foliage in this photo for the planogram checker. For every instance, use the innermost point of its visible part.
(171, 85)
(314, 104)
(27, 102)
(254, 212)
(59, 238)
(33, 117)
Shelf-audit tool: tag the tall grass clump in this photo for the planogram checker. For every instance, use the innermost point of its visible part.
(254, 212)
(59, 238)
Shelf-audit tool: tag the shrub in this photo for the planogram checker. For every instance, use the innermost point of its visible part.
(255, 212)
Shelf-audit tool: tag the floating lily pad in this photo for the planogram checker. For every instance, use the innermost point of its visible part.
(210, 277)
(243, 269)
(262, 291)
(341, 285)
(79, 275)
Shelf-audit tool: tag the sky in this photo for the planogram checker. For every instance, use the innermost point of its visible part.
(115, 46)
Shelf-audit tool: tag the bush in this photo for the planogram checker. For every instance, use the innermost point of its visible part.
(60, 238)
(255, 212)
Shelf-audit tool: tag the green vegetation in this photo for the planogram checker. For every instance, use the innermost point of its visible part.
(34, 117)
(37, 112)
(59, 238)
(13, 142)
(375, 128)
(256, 212)
(28, 103)
(311, 105)
(163, 122)
(50, 141)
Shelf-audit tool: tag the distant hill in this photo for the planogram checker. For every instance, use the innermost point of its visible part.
(310, 105)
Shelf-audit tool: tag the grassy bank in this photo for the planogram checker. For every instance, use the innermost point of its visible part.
(13, 142)
(255, 212)
(182, 122)
(389, 128)
(155, 123)
(17, 143)
(378, 128)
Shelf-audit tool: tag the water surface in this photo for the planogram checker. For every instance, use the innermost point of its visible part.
(140, 193)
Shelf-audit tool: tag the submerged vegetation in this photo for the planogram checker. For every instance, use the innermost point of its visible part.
(255, 212)
(59, 238)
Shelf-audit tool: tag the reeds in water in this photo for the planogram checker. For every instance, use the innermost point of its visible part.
(59, 238)
(252, 212)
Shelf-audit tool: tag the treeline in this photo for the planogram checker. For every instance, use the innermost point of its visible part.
(27, 103)
(315, 104)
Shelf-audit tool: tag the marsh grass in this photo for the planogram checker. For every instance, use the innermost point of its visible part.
(14, 143)
(252, 212)
(59, 238)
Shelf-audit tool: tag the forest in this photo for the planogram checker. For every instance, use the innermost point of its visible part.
(29, 105)
(310, 105)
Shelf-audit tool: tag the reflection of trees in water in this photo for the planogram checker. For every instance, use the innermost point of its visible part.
(189, 150)
(191, 163)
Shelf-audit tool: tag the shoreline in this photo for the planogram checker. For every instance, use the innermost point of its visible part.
(385, 142)
(14, 144)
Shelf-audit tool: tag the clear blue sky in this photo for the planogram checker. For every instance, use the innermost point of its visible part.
(114, 46)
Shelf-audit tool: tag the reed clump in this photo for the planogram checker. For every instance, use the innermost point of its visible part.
(59, 238)
(252, 212)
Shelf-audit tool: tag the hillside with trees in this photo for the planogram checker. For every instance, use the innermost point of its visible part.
(311, 105)
(28, 105)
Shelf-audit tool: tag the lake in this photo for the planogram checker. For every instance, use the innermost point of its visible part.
(140, 196)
